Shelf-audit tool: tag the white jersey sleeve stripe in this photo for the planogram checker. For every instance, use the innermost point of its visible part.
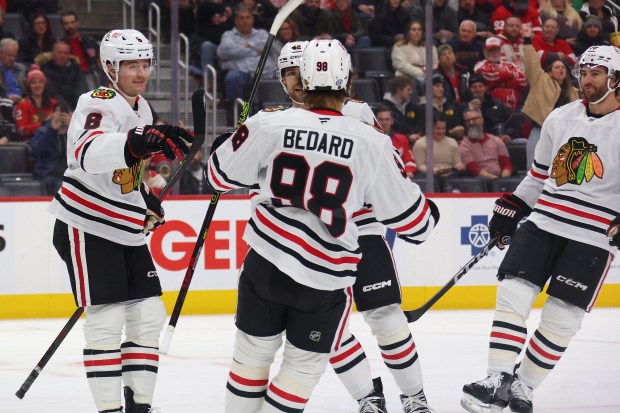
(422, 215)
(216, 182)
(94, 207)
(88, 139)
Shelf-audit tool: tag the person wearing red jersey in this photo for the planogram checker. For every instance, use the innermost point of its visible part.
(520, 8)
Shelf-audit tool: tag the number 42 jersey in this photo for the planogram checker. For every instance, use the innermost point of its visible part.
(313, 170)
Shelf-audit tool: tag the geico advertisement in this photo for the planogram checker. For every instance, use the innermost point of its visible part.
(29, 263)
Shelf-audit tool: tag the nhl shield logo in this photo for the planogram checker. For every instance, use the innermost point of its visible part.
(315, 335)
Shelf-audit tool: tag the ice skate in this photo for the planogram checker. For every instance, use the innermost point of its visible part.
(521, 397)
(133, 407)
(375, 401)
(489, 395)
(416, 403)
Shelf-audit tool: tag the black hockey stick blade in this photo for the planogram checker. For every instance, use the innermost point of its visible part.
(414, 315)
(284, 12)
(48, 354)
(199, 113)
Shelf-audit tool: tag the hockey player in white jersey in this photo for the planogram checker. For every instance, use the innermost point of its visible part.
(103, 213)
(380, 307)
(572, 197)
(313, 169)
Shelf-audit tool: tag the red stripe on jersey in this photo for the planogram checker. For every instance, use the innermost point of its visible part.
(329, 112)
(537, 175)
(415, 222)
(349, 292)
(79, 149)
(303, 244)
(400, 355)
(97, 208)
(574, 211)
(135, 356)
(610, 258)
(510, 337)
(79, 269)
(361, 212)
(217, 181)
(286, 396)
(346, 354)
(543, 352)
(248, 382)
(104, 362)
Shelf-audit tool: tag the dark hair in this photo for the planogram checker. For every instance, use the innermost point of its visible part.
(400, 82)
(383, 108)
(67, 13)
(48, 36)
(411, 23)
(438, 117)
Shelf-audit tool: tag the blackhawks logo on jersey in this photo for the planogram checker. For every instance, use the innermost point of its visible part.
(275, 108)
(103, 93)
(575, 161)
(129, 178)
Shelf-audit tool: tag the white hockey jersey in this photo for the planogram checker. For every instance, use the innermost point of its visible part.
(100, 194)
(314, 169)
(573, 183)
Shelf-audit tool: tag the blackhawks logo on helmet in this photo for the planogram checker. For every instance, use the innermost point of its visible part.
(575, 161)
(103, 93)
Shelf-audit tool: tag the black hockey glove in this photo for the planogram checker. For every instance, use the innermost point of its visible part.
(154, 210)
(613, 232)
(146, 140)
(219, 141)
(507, 212)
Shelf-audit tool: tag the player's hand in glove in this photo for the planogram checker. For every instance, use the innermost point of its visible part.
(613, 232)
(154, 210)
(507, 212)
(146, 140)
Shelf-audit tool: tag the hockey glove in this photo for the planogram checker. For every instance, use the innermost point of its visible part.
(220, 140)
(154, 211)
(507, 212)
(613, 233)
(146, 140)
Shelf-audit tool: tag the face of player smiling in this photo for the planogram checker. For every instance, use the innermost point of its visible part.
(593, 82)
(133, 76)
(292, 82)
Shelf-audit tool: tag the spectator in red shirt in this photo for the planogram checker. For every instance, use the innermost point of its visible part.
(520, 8)
(483, 154)
(37, 107)
(399, 141)
(547, 43)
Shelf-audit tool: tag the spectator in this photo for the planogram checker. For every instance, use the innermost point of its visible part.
(529, 15)
(365, 10)
(483, 154)
(8, 130)
(49, 149)
(263, 12)
(4, 33)
(214, 22)
(36, 107)
(512, 44)
(409, 55)
(446, 154)
(389, 24)
(553, 89)
(398, 99)
(590, 35)
(569, 21)
(604, 12)
(415, 11)
(496, 115)
(287, 32)
(467, 48)
(445, 22)
(503, 80)
(39, 39)
(239, 53)
(547, 43)
(455, 74)
(311, 20)
(85, 48)
(399, 141)
(346, 27)
(66, 82)
(12, 73)
(469, 10)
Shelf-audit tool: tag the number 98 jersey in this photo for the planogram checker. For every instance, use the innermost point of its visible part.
(313, 170)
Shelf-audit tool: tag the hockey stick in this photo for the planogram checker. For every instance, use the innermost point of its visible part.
(414, 315)
(199, 113)
(284, 12)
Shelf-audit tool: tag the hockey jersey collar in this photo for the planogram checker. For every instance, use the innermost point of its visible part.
(323, 111)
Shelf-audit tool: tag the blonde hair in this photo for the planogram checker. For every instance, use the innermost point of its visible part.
(572, 16)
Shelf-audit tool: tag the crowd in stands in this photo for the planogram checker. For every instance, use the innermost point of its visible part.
(487, 57)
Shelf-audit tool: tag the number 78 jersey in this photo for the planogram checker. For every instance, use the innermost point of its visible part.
(312, 169)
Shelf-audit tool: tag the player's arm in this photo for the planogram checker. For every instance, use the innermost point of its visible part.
(398, 202)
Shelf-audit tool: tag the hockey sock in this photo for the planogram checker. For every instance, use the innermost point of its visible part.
(140, 364)
(352, 367)
(103, 372)
(401, 358)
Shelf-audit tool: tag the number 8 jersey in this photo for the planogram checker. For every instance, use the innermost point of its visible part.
(314, 169)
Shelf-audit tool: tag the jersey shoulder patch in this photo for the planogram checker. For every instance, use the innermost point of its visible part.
(103, 93)
(275, 108)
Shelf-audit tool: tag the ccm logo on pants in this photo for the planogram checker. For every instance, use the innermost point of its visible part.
(376, 286)
(572, 283)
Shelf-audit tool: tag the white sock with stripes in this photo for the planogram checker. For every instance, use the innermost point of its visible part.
(103, 372)
(140, 366)
(352, 367)
(401, 357)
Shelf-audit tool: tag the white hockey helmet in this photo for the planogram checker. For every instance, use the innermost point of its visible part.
(127, 44)
(325, 65)
(607, 56)
(290, 55)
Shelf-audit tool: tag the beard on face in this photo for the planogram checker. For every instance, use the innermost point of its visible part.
(474, 131)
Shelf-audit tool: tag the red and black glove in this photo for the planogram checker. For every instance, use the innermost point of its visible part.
(613, 232)
(507, 212)
(154, 210)
(146, 140)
